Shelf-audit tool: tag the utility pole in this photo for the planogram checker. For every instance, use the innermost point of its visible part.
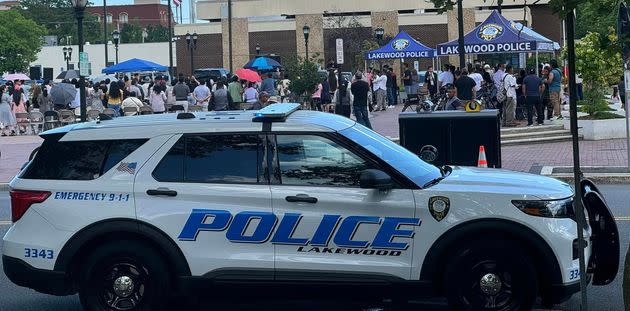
(170, 39)
(460, 29)
(105, 30)
(577, 172)
(231, 61)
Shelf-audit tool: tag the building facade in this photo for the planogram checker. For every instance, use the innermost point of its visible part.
(276, 26)
(142, 12)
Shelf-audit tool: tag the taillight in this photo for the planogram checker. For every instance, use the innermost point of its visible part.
(21, 200)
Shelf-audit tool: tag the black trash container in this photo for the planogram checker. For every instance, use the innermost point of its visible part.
(452, 137)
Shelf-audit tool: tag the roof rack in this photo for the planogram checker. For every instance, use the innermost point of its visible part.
(275, 112)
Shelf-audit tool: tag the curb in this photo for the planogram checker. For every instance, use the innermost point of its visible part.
(599, 177)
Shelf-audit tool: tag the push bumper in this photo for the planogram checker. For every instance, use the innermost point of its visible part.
(44, 281)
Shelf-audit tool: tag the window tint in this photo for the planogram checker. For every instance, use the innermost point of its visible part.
(315, 160)
(78, 160)
(212, 159)
(171, 168)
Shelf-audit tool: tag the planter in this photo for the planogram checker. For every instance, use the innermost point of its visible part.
(600, 129)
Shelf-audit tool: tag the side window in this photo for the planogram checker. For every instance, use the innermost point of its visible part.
(317, 161)
(78, 160)
(212, 159)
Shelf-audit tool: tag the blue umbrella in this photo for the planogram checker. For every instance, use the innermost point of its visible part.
(262, 63)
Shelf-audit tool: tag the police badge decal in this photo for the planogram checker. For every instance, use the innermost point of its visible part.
(439, 207)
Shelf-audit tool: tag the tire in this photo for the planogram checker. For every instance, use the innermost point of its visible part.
(124, 261)
(490, 260)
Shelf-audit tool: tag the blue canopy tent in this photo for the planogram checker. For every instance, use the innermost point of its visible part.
(134, 65)
(498, 35)
(402, 46)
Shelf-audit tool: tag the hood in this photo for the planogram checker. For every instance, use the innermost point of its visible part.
(479, 180)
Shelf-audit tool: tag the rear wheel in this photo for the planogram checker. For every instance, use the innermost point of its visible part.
(124, 276)
(493, 275)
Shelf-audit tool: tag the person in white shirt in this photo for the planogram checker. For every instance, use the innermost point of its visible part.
(509, 107)
(446, 77)
(498, 76)
(477, 77)
(380, 89)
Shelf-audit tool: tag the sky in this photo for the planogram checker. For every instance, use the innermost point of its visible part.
(185, 7)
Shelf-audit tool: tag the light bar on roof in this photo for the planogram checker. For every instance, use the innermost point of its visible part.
(275, 112)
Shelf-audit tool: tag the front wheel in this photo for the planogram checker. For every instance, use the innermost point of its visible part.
(124, 276)
(490, 275)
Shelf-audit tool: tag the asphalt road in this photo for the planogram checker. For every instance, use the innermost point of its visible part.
(14, 298)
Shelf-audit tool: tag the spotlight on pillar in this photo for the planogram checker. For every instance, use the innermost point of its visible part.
(307, 31)
(257, 49)
(379, 33)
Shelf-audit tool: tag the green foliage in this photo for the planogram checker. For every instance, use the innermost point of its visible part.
(157, 33)
(560, 7)
(58, 17)
(21, 41)
(598, 63)
(131, 33)
(366, 46)
(304, 76)
(596, 16)
(596, 106)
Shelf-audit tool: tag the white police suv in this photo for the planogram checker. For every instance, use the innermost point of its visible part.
(127, 212)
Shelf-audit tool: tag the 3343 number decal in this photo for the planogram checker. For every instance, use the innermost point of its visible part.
(39, 253)
(574, 274)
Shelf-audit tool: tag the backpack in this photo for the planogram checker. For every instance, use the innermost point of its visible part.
(502, 94)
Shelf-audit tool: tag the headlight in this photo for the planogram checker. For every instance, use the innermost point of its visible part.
(549, 209)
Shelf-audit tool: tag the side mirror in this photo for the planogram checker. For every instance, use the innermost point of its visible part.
(375, 179)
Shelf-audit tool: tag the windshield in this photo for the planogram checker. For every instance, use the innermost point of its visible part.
(403, 160)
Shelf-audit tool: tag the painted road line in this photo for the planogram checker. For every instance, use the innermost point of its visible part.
(622, 218)
(5, 222)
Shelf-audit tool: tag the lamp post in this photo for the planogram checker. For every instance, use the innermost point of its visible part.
(191, 40)
(257, 49)
(145, 34)
(379, 33)
(116, 37)
(67, 56)
(307, 31)
(79, 9)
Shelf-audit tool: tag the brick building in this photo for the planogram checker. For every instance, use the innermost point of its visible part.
(142, 12)
(276, 26)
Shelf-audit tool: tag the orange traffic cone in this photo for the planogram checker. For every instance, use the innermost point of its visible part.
(482, 162)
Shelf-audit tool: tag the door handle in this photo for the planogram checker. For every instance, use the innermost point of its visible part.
(162, 191)
(301, 198)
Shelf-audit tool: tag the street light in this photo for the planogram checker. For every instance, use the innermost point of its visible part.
(379, 32)
(67, 56)
(116, 36)
(79, 9)
(257, 49)
(191, 40)
(307, 31)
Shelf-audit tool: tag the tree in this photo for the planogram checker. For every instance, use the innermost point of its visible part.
(600, 66)
(595, 16)
(57, 16)
(131, 33)
(18, 48)
(157, 33)
(304, 76)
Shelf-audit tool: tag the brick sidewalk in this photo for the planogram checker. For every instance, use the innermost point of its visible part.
(15, 150)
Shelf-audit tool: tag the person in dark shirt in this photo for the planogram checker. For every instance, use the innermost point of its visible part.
(407, 81)
(452, 103)
(532, 89)
(360, 89)
(465, 87)
(431, 80)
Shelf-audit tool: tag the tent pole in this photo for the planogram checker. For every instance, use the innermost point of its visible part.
(537, 63)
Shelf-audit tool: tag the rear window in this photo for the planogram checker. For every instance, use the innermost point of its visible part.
(79, 160)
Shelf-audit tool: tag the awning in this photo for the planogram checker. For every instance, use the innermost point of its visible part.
(497, 35)
(135, 65)
(402, 46)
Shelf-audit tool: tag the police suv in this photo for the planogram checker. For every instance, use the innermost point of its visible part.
(130, 211)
